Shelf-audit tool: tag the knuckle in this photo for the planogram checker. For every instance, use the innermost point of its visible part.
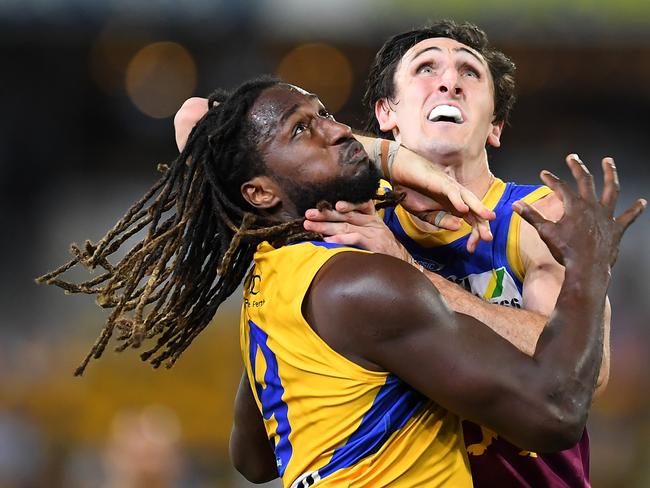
(526, 211)
(584, 177)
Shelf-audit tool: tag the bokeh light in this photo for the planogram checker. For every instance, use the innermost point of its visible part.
(111, 52)
(321, 69)
(160, 77)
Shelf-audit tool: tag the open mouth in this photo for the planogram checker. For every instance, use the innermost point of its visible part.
(446, 113)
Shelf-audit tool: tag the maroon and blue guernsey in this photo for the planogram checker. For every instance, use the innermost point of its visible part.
(496, 462)
(495, 273)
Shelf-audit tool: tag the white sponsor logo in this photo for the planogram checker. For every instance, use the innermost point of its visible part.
(306, 480)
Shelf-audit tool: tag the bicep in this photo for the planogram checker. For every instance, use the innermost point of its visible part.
(541, 288)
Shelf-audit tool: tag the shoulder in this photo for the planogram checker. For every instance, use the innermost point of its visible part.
(360, 300)
(367, 280)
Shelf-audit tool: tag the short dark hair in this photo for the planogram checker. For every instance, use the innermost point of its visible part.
(381, 78)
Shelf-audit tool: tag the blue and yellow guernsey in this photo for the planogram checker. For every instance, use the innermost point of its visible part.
(494, 271)
(330, 421)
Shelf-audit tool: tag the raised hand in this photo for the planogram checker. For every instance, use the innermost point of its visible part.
(355, 225)
(588, 234)
(431, 211)
(187, 117)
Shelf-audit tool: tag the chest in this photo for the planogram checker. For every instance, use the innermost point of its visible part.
(487, 272)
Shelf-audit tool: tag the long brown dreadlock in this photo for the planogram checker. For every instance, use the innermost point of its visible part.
(200, 240)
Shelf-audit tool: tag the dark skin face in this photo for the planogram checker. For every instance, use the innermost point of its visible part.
(384, 315)
(309, 156)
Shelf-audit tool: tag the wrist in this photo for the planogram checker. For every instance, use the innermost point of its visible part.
(383, 154)
(586, 282)
(587, 270)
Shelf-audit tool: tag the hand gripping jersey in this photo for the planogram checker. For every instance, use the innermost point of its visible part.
(331, 422)
(495, 273)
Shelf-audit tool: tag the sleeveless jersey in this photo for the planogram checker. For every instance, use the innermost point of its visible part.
(495, 273)
(330, 421)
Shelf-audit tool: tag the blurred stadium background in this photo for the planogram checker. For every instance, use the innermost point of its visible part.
(89, 88)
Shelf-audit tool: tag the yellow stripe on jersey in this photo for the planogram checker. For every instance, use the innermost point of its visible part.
(384, 187)
(513, 252)
(423, 234)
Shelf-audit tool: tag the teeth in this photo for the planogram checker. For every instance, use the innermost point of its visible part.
(446, 111)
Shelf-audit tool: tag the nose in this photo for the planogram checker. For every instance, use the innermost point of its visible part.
(449, 82)
(334, 132)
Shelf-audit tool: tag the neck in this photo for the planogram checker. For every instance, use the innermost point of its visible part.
(473, 173)
(282, 213)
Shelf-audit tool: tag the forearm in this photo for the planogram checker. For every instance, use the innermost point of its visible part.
(570, 349)
(559, 383)
(368, 144)
(569, 335)
(406, 168)
(519, 327)
(250, 450)
(522, 328)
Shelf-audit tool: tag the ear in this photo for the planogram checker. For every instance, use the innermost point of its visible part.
(385, 115)
(261, 192)
(494, 136)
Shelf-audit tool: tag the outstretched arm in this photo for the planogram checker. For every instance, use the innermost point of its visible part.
(382, 311)
(359, 225)
(544, 276)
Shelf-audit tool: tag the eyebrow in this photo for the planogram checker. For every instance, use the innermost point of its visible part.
(464, 49)
(456, 49)
(292, 110)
